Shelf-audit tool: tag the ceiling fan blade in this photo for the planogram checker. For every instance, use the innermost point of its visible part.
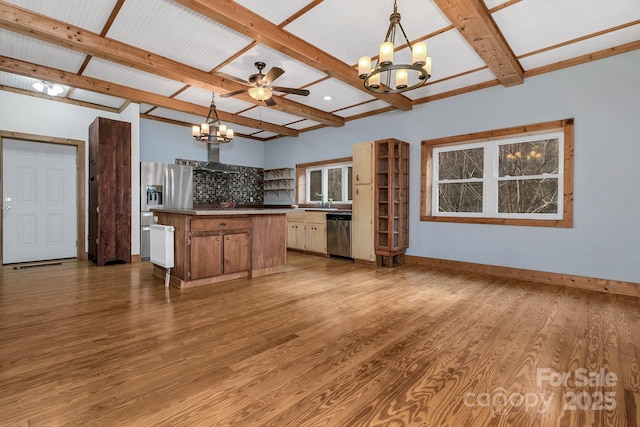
(270, 102)
(273, 74)
(302, 92)
(234, 93)
(230, 77)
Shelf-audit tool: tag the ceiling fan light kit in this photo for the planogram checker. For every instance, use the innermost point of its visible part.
(262, 90)
(52, 89)
(221, 133)
(385, 67)
(260, 93)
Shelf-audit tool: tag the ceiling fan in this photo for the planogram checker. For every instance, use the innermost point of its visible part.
(262, 89)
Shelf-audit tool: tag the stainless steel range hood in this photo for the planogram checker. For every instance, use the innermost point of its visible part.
(214, 165)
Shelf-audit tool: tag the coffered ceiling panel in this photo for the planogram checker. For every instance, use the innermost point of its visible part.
(451, 56)
(493, 3)
(144, 108)
(176, 115)
(244, 130)
(97, 98)
(532, 25)
(198, 96)
(25, 48)
(303, 124)
(270, 115)
(189, 48)
(362, 108)
(127, 76)
(175, 32)
(463, 81)
(90, 15)
(265, 134)
(342, 95)
(583, 47)
(275, 11)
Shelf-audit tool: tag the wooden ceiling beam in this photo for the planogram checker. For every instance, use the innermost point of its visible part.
(28, 69)
(63, 34)
(231, 14)
(475, 24)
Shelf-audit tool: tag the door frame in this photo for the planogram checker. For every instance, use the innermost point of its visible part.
(80, 161)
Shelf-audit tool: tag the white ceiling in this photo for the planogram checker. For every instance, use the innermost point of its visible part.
(181, 53)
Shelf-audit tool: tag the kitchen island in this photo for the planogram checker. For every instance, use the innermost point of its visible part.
(215, 245)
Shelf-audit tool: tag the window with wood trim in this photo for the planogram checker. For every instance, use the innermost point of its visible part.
(329, 184)
(513, 176)
(327, 181)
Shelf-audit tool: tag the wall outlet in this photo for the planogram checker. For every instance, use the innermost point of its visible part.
(251, 199)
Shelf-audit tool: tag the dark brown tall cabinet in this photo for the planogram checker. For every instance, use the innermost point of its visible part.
(109, 191)
(391, 163)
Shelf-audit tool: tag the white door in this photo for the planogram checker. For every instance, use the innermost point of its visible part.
(39, 217)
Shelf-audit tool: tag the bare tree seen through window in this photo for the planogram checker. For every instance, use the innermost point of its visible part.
(315, 186)
(528, 177)
(467, 167)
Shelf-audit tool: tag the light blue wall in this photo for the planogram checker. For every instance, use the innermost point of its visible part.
(604, 98)
(164, 143)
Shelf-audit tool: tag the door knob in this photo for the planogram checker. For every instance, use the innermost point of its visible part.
(8, 208)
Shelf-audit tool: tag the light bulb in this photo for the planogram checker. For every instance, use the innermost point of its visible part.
(386, 53)
(419, 54)
(374, 81)
(364, 66)
(402, 78)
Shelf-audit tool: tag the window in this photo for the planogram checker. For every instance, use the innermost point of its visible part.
(515, 176)
(329, 184)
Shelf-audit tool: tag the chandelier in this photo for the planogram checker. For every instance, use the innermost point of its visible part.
(385, 67)
(212, 130)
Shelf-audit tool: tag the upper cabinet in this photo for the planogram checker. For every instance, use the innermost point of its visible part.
(363, 163)
(362, 247)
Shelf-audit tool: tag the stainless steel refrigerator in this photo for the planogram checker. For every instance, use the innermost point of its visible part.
(162, 185)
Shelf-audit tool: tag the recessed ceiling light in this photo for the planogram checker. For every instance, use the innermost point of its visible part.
(327, 97)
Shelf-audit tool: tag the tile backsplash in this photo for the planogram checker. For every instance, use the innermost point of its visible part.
(215, 188)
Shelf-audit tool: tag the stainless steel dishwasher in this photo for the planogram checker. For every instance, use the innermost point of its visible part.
(339, 234)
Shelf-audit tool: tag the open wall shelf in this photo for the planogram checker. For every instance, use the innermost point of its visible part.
(279, 180)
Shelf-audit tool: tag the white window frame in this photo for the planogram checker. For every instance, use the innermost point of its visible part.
(491, 179)
(325, 182)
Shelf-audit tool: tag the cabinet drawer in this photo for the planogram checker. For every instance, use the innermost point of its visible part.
(315, 217)
(295, 216)
(219, 224)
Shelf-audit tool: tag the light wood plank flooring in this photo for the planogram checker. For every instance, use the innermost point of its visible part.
(326, 343)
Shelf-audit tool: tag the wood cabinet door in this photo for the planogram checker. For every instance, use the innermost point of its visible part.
(206, 256)
(237, 253)
(295, 235)
(316, 238)
(362, 247)
(363, 163)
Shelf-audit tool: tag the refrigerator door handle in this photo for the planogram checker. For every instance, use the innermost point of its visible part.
(169, 187)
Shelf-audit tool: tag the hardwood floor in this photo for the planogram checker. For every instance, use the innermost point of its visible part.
(326, 343)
